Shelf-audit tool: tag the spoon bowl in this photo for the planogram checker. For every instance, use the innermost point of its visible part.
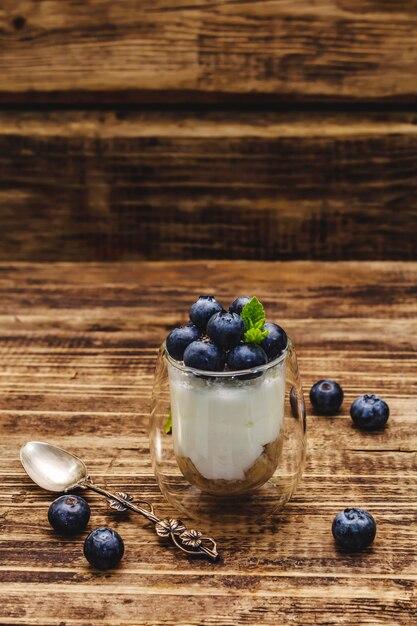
(50, 467)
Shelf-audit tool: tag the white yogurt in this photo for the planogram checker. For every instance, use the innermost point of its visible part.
(222, 425)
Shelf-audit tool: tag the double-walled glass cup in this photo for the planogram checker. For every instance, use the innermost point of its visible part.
(237, 444)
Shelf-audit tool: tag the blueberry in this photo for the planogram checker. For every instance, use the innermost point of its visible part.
(326, 396)
(245, 356)
(275, 342)
(104, 548)
(369, 412)
(238, 304)
(202, 310)
(179, 338)
(69, 514)
(354, 529)
(226, 329)
(204, 356)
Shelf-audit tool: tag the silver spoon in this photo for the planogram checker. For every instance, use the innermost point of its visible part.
(55, 469)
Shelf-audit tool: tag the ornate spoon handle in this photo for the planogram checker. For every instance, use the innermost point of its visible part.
(189, 541)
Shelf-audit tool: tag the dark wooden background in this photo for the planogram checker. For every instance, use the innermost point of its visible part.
(162, 129)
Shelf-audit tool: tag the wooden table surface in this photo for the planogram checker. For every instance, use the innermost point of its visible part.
(78, 346)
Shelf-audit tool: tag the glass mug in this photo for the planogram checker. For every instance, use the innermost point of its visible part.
(237, 444)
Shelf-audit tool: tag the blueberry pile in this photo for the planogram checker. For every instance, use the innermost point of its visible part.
(237, 339)
(69, 515)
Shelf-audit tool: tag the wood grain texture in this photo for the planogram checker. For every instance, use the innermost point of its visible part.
(328, 49)
(169, 185)
(77, 349)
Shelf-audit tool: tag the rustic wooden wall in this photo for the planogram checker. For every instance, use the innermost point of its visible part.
(291, 49)
(165, 130)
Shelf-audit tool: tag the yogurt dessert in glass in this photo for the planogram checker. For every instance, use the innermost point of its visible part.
(225, 389)
(227, 430)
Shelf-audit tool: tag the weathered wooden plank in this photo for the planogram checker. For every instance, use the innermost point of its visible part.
(210, 610)
(106, 186)
(76, 369)
(200, 50)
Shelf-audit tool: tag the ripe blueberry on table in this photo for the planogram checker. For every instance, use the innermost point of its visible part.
(202, 310)
(369, 412)
(103, 548)
(69, 514)
(326, 396)
(354, 529)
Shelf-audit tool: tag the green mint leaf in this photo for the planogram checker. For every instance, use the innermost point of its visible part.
(253, 314)
(168, 424)
(255, 335)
